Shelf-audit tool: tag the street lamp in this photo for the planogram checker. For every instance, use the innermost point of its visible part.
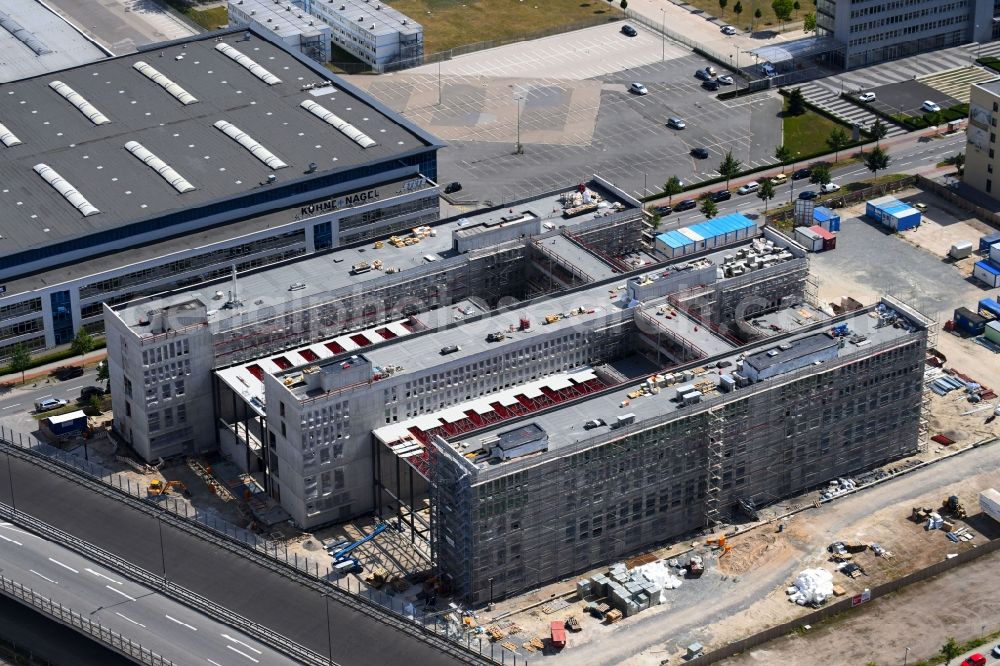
(329, 637)
(10, 482)
(906, 656)
(491, 593)
(163, 559)
(519, 149)
(663, 34)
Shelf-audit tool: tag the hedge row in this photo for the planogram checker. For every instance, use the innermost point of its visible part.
(54, 357)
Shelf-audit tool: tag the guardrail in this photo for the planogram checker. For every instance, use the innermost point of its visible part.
(324, 580)
(68, 616)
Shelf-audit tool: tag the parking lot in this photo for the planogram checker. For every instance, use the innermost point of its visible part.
(907, 97)
(572, 128)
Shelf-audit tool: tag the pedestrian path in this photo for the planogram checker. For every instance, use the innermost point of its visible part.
(820, 95)
(956, 82)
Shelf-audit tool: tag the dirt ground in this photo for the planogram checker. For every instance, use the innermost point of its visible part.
(913, 618)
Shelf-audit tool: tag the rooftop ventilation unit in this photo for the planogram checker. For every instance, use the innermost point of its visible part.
(159, 166)
(82, 105)
(248, 142)
(21, 33)
(345, 127)
(8, 137)
(60, 185)
(249, 63)
(154, 75)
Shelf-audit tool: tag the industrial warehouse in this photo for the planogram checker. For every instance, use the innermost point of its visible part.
(178, 164)
(465, 378)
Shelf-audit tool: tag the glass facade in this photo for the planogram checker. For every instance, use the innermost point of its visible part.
(62, 317)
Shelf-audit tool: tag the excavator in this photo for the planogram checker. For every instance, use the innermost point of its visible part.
(157, 488)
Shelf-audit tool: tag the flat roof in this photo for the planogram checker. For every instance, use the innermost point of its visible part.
(34, 40)
(565, 424)
(93, 159)
(793, 349)
(283, 18)
(590, 264)
(379, 18)
(992, 86)
(332, 270)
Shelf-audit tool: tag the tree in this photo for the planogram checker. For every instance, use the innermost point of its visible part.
(655, 221)
(820, 174)
(103, 374)
(20, 360)
(950, 650)
(722, 6)
(671, 187)
(82, 343)
(934, 119)
(96, 405)
(877, 160)
(809, 22)
(959, 161)
(757, 15)
(837, 141)
(730, 167)
(878, 130)
(624, 4)
(783, 10)
(783, 154)
(766, 192)
(796, 102)
(738, 9)
(796, 6)
(708, 208)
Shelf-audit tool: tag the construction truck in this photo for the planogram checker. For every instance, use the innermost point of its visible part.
(954, 506)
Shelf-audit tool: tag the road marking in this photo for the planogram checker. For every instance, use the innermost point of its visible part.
(125, 617)
(100, 575)
(54, 582)
(212, 661)
(116, 591)
(256, 661)
(64, 566)
(11, 540)
(184, 624)
(11, 406)
(11, 527)
(236, 640)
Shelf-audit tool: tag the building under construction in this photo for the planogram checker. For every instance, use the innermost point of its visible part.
(571, 486)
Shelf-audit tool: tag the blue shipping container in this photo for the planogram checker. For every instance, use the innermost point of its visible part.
(826, 218)
(969, 322)
(989, 308)
(986, 241)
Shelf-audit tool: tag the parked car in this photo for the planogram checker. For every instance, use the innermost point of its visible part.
(721, 195)
(687, 204)
(826, 188)
(866, 97)
(930, 107)
(638, 89)
(710, 84)
(726, 80)
(87, 392)
(806, 195)
(974, 660)
(779, 179)
(702, 74)
(802, 173)
(453, 186)
(676, 123)
(593, 423)
(728, 30)
(48, 403)
(710, 70)
(700, 153)
(995, 651)
(662, 210)
(752, 186)
(768, 70)
(68, 372)
(629, 30)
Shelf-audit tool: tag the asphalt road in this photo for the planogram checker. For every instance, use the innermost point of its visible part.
(237, 583)
(152, 620)
(904, 158)
(17, 404)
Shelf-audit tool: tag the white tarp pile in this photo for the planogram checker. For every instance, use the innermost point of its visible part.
(659, 574)
(813, 586)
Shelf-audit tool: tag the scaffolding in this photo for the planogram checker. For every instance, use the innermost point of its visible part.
(716, 458)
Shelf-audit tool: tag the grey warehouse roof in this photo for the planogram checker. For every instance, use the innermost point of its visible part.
(61, 131)
(34, 40)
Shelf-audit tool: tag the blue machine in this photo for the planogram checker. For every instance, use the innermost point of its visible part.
(342, 554)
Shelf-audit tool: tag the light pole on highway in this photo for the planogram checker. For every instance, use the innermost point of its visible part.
(10, 482)
(519, 150)
(163, 559)
(329, 637)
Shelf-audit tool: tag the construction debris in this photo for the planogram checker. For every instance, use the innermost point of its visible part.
(812, 587)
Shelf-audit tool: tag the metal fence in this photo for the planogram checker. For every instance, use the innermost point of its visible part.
(427, 627)
(843, 198)
(84, 625)
(844, 605)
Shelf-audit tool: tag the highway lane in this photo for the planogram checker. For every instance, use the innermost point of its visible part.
(146, 617)
(231, 580)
